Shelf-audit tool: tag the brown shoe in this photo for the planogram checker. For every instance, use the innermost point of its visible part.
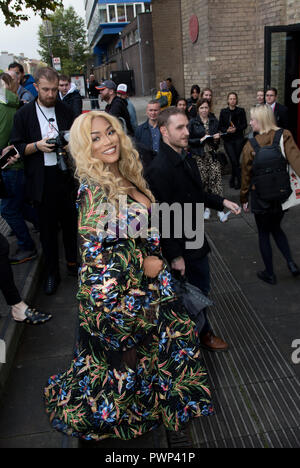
(213, 343)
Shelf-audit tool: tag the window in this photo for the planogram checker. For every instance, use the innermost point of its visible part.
(147, 7)
(138, 9)
(103, 14)
(112, 14)
(129, 13)
(121, 14)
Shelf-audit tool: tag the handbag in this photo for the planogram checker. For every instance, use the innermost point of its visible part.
(193, 300)
(294, 198)
(221, 157)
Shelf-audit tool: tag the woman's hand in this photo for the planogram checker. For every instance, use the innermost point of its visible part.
(152, 266)
(231, 129)
(246, 207)
(233, 207)
(216, 136)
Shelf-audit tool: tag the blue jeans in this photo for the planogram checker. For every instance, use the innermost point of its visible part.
(198, 273)
(14, 210)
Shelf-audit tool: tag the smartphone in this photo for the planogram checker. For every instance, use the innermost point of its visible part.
(4, 159)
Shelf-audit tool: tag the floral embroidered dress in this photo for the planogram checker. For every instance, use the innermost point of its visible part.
(137, 362)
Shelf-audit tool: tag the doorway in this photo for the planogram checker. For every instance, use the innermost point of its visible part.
(282, 69)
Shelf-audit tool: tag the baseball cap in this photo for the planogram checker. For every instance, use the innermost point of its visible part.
(107, 84)
(122, 88)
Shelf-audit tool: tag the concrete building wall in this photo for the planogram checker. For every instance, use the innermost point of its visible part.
(140, 56)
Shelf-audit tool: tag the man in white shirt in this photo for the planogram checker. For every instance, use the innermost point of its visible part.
(48, 184)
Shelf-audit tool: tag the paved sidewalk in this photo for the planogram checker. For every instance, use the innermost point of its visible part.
(255, 386)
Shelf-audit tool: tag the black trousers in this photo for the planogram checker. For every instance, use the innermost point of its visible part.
(233, 148)
(269, 224)
(58, 208)
(7, 284)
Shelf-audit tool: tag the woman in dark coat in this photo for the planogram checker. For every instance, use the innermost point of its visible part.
(192, 102)
(204, 141)
(233, 122)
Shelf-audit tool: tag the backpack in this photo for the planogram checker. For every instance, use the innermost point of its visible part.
(270, 176)
(163, 100)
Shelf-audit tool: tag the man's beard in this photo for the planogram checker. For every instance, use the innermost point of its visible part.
(47, 103)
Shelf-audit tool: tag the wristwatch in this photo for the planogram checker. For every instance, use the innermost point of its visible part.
(36, 147)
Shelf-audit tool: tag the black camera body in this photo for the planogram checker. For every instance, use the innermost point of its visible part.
(60, 142)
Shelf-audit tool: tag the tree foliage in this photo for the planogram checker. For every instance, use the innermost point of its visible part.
(67, 40)
(13, 10)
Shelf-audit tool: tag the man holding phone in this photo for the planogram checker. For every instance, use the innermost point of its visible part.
(51, 188)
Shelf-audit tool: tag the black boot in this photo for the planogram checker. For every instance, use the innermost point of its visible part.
(294, 269)
(266, 277)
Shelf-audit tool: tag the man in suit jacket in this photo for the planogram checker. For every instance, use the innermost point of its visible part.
(174, 177)
(48, 184)
(281, 112)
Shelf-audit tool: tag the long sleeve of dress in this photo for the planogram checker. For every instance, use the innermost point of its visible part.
(111, 303)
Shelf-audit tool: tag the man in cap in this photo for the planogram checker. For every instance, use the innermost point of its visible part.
(115, 105)
(122, 92)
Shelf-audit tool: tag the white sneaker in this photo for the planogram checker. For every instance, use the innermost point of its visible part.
(223, 217)
(206, 213)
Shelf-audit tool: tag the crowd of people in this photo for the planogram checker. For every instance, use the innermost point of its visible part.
(137, 361)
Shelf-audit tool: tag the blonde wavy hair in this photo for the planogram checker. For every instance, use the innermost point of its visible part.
(265, 117)
(92, 170)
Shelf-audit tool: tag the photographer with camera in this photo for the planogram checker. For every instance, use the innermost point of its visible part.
(37, 134)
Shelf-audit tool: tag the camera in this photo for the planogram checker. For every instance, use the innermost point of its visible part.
(60, 142)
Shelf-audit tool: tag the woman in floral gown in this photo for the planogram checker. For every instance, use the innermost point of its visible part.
(137, 362)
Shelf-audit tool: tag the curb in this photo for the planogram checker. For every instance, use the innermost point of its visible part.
(11, 332)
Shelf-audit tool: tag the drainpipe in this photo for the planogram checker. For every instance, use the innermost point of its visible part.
(140, 52)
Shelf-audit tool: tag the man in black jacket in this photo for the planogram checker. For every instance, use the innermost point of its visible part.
(174, 177)
(115, 105)
(281, 112)
(93, 92)
(48, 184)
(69, 94)
(147, 135)
(173, 90)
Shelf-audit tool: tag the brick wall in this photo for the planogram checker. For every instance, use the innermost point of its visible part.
(195, 56)
(229, 54)
(167, 41)
(232, 51)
